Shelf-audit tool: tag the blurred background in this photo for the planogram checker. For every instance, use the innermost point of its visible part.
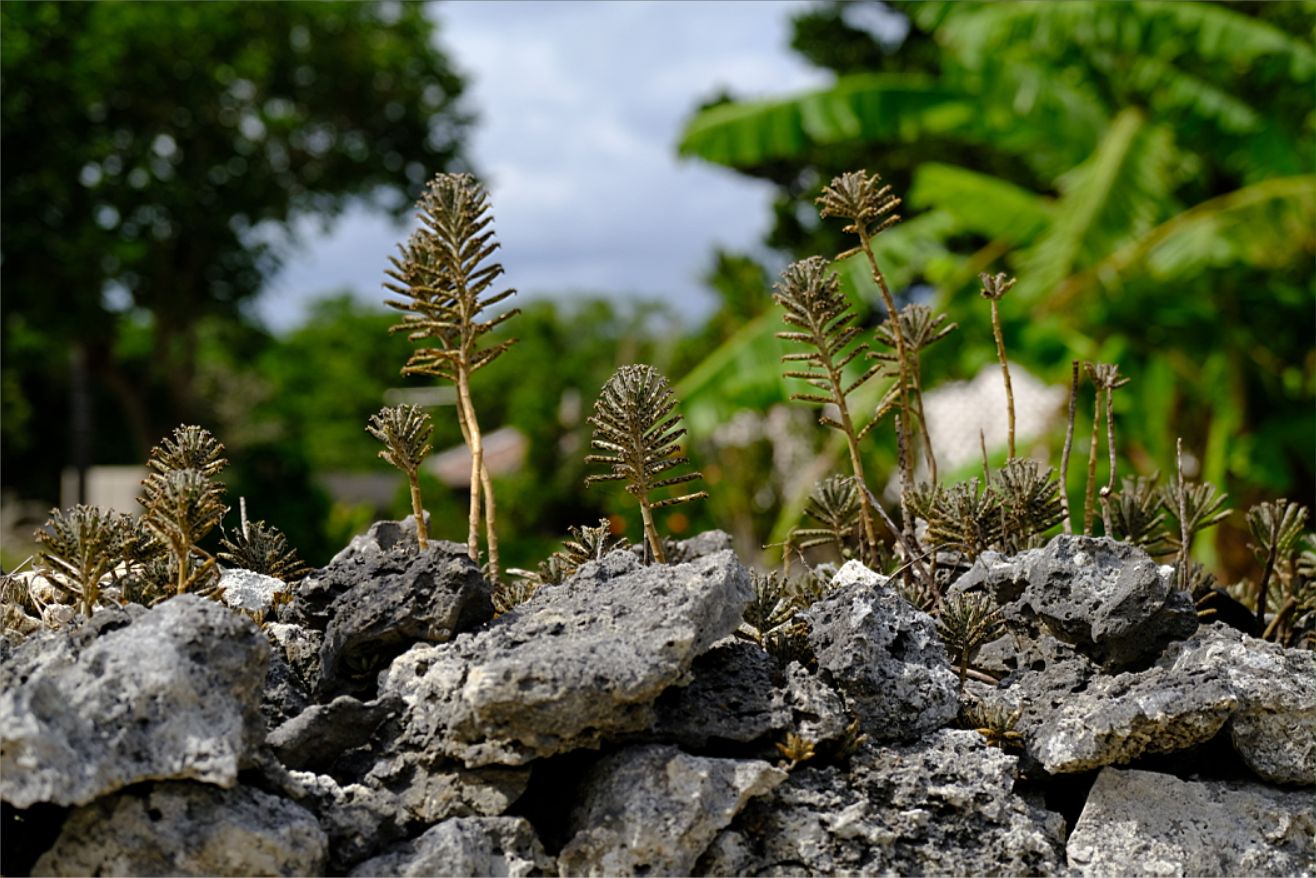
(199, 201)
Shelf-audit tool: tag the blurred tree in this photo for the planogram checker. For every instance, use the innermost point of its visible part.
(156, 156)
(1145, 168)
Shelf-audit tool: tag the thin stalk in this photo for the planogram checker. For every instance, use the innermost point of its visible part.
(982, 448)
(1005, 371)
(1271, 557)
(1184, 535)
(651, 532)
(1110, 447)
(923, 419)
(914, 558)
(906, 520)
(902, 358)
(490, 535)
(418, 510)
(964, 668)
(464, 417)
(1090, 496)
(1069, 444)
(1273, 628)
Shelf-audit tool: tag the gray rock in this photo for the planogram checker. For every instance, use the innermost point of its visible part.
(1273, 727)
(285, 694)
(300, 646)
(943, 806)
(1117, 719)
(883, 655)
(809, 707)
(1144, 823)
(710, 542)
(382, 536)
(429, 790)
(1109, 599)
(504, 846)
(251, 591)
(357, 820)
(391, 600)
(323, 732)
(175, 694)
(188, 829)
(652, 810)
(570, 667)
(730, 699)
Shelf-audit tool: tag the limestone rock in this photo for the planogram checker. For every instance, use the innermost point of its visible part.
(1117, 719)
(188, 829)
(248, 590)
(357, 820)
(300, 647)
(428, 790)
(730, 699)
(391, 600)
(172, 693)
(943, 806)
(1274, 726)
(573, 665)
(322, 732)
(809, 707)
(1145, 823)
(883, 655)
(1109, 599)
(504, 846)
(652, 810)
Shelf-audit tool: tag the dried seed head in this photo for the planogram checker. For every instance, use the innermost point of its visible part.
(861, 199)
(995, 286)
(405, 431)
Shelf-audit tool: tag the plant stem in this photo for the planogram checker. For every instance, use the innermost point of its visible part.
(902, 358)
(982, 447)
(422, 530)
(1271, 556)
(1110, 447)
(917, 377)
(464, 418)
(1090, 496)
(1069, 444)
(1184, 536)
(651, 532)
(1005, 371)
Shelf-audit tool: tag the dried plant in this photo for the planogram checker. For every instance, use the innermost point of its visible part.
(1203, 507)
(1069, 446)
(964, 517)
(80, 547)
(1030, 502)
(184, 507)
(1137, 515)
(1105, 378)
(637, 433)
(836, 505)
(772, 607)
(996, 722)
(994, 288)
(263, 548)
(812, 300)
(868, 207)
(445, 281)
(189, 447)
(1276, 527)
(967, 621)
(406, 432)
(591, 543)
(512, 593)
(919, 327)
(796, 749)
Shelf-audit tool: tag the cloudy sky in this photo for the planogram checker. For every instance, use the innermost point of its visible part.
(580, 107)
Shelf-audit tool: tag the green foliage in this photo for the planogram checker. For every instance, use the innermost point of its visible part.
(637, 435)
(171, 190)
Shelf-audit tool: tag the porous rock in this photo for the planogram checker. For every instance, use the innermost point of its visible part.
(1109, 599)
(429, 789)
(248, 590)
(883, 655)
(181, 828)
(285, 694)
(574, 664)
(652, 810)
(505, 846)
(393, 599)
(1146, 823)
(943, 806)
(357, 820)
(300, 647)
(1273, 727)
(322, 732)
(171, 693)
(730, 699)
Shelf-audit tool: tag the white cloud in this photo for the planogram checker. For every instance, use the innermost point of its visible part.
(581, 105)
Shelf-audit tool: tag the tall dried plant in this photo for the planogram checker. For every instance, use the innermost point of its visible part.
(445, 279)
(920, 327)
(994, 288)
(405, 431)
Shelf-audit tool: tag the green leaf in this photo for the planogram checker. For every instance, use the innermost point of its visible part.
(981, 203)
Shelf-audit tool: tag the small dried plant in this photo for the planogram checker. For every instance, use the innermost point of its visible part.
(1137, 515)
(183, 503)
(1106, 378)
(445, 282)
(1203, 506)
(80, 547)
(1030, 502)
(919, 327)
(1068, 521)
(512, 593)
(406, 432)
(262, 548)
(1276, 527)
(996, 722)
(967, 621)
(965, 517)
(586, 543)
(772, 608)
(836, 505)
(796, 749)
(812, 300)
(994, 288)
(637, 433)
